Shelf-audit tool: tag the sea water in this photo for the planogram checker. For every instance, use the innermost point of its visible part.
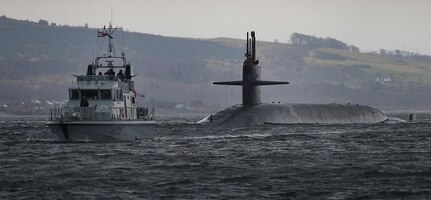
(189, 161)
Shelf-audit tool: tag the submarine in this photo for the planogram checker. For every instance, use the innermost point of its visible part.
(253, 112)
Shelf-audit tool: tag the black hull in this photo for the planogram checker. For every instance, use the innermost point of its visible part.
(296, 114)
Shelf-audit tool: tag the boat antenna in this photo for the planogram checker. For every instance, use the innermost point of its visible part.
(110, 32)
(94, 55)
(122, 39)
(112, 16)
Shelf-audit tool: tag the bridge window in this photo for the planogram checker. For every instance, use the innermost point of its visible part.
(117, 94)
(89, 94)
(105, 94)
(73, 94)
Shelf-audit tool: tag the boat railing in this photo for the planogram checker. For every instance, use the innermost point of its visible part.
(97, 78)
(142, 113)
(55, 114)
(150, 115)
(90, 114)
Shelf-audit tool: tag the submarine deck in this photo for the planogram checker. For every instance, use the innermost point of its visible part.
(239, 115)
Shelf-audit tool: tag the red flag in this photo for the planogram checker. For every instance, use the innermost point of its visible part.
(100, 34)
(138, 95)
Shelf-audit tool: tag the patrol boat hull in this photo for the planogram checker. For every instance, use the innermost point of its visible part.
(102, 131)
(102, 106)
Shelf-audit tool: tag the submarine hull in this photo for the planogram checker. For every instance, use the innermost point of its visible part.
(240, 115)
(253, 112)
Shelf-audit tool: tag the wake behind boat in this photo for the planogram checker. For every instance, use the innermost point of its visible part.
(102, 106)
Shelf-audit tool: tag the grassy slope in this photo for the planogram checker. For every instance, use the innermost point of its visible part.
(182, 69)
(406, 70)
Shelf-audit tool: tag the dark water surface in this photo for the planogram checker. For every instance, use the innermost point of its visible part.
(379, 161)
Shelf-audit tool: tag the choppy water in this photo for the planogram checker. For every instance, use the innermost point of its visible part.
(383, 161)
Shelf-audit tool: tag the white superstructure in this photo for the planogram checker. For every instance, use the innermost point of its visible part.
(102, 105)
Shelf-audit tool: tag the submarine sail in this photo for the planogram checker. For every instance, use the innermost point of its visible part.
(253, 112)
(251, 76)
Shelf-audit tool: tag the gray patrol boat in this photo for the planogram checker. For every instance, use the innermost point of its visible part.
(102, 105)
(253, 112)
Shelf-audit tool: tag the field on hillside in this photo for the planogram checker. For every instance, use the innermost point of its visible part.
(403, 69)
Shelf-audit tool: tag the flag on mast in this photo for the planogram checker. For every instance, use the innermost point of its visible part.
(138, 95)
(101, 34)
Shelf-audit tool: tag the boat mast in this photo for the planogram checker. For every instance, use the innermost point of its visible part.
(110, 33)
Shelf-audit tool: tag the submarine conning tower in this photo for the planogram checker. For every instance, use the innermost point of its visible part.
(251, 76)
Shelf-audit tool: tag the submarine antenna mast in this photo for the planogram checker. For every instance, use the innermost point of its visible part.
(251, 71)
(247, 52)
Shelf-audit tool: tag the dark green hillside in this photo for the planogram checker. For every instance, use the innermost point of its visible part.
(33, 56)
(37, 60)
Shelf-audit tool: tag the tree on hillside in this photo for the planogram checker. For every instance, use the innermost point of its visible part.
(43, 22)
(404, 55)
(354, 48)
(313, 41)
